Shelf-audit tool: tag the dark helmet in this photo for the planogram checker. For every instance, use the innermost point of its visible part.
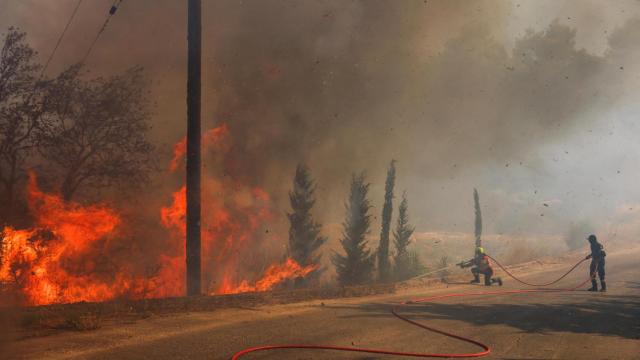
(592, 238)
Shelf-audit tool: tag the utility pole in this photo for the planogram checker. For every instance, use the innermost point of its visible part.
(194, 35)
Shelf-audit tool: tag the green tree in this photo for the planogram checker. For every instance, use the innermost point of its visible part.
(387, 210)
(478, 225)
(404, 262)
(304, 232)
(356, 265)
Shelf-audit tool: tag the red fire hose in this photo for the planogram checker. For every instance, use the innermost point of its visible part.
(546, 284)
(485, 348)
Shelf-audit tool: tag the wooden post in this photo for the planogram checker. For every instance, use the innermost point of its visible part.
(193, 148)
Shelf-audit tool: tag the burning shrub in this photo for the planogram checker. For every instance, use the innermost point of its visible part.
(234, 216)
(80, 252)
(59, 260)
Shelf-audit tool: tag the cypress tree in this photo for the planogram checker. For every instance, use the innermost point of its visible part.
(304, 232)
(478, 225)
(387, 210)
(403, 261)
(356, 265)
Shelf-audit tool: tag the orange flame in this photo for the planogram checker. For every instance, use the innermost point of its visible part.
(68, 254)
(210, 137)
(229, 223)
(232, 214)
(274, 275)
(54, 261)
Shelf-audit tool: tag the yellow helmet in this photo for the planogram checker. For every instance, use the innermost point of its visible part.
(479, 250)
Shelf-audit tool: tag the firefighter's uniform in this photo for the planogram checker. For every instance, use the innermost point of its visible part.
(597, 264)
(481, 264)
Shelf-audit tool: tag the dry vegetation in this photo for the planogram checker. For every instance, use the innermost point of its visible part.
(43, 320)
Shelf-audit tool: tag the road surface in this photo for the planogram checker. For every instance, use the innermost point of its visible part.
(577, 325)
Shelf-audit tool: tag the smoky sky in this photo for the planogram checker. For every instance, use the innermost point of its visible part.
(523, 100)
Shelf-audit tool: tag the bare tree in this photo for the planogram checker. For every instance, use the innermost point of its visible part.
(19, 111)
(94, 132)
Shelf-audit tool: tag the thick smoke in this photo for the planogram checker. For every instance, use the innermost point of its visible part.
(460, 93)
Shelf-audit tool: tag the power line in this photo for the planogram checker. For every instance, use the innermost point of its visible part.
(55, 48)
(112, 11)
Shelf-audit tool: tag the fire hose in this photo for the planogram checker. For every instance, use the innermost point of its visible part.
(431, 272)
(541, 285)
(395, 311)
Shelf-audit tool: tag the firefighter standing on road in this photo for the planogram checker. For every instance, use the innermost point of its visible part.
(481, 265)
(597, 264)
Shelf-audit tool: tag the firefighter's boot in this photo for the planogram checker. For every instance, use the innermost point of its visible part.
(603, 286)
(594, 286)
(476, 279)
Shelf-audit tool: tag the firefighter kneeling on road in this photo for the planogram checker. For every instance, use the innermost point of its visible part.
(481, 265)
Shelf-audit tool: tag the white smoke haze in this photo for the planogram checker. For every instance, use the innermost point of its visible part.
(534, 103)
(510, 249)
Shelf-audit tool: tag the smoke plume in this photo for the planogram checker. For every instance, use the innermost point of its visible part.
(528, 103)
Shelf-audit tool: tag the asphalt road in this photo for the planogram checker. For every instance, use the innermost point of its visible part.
(576, 325)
